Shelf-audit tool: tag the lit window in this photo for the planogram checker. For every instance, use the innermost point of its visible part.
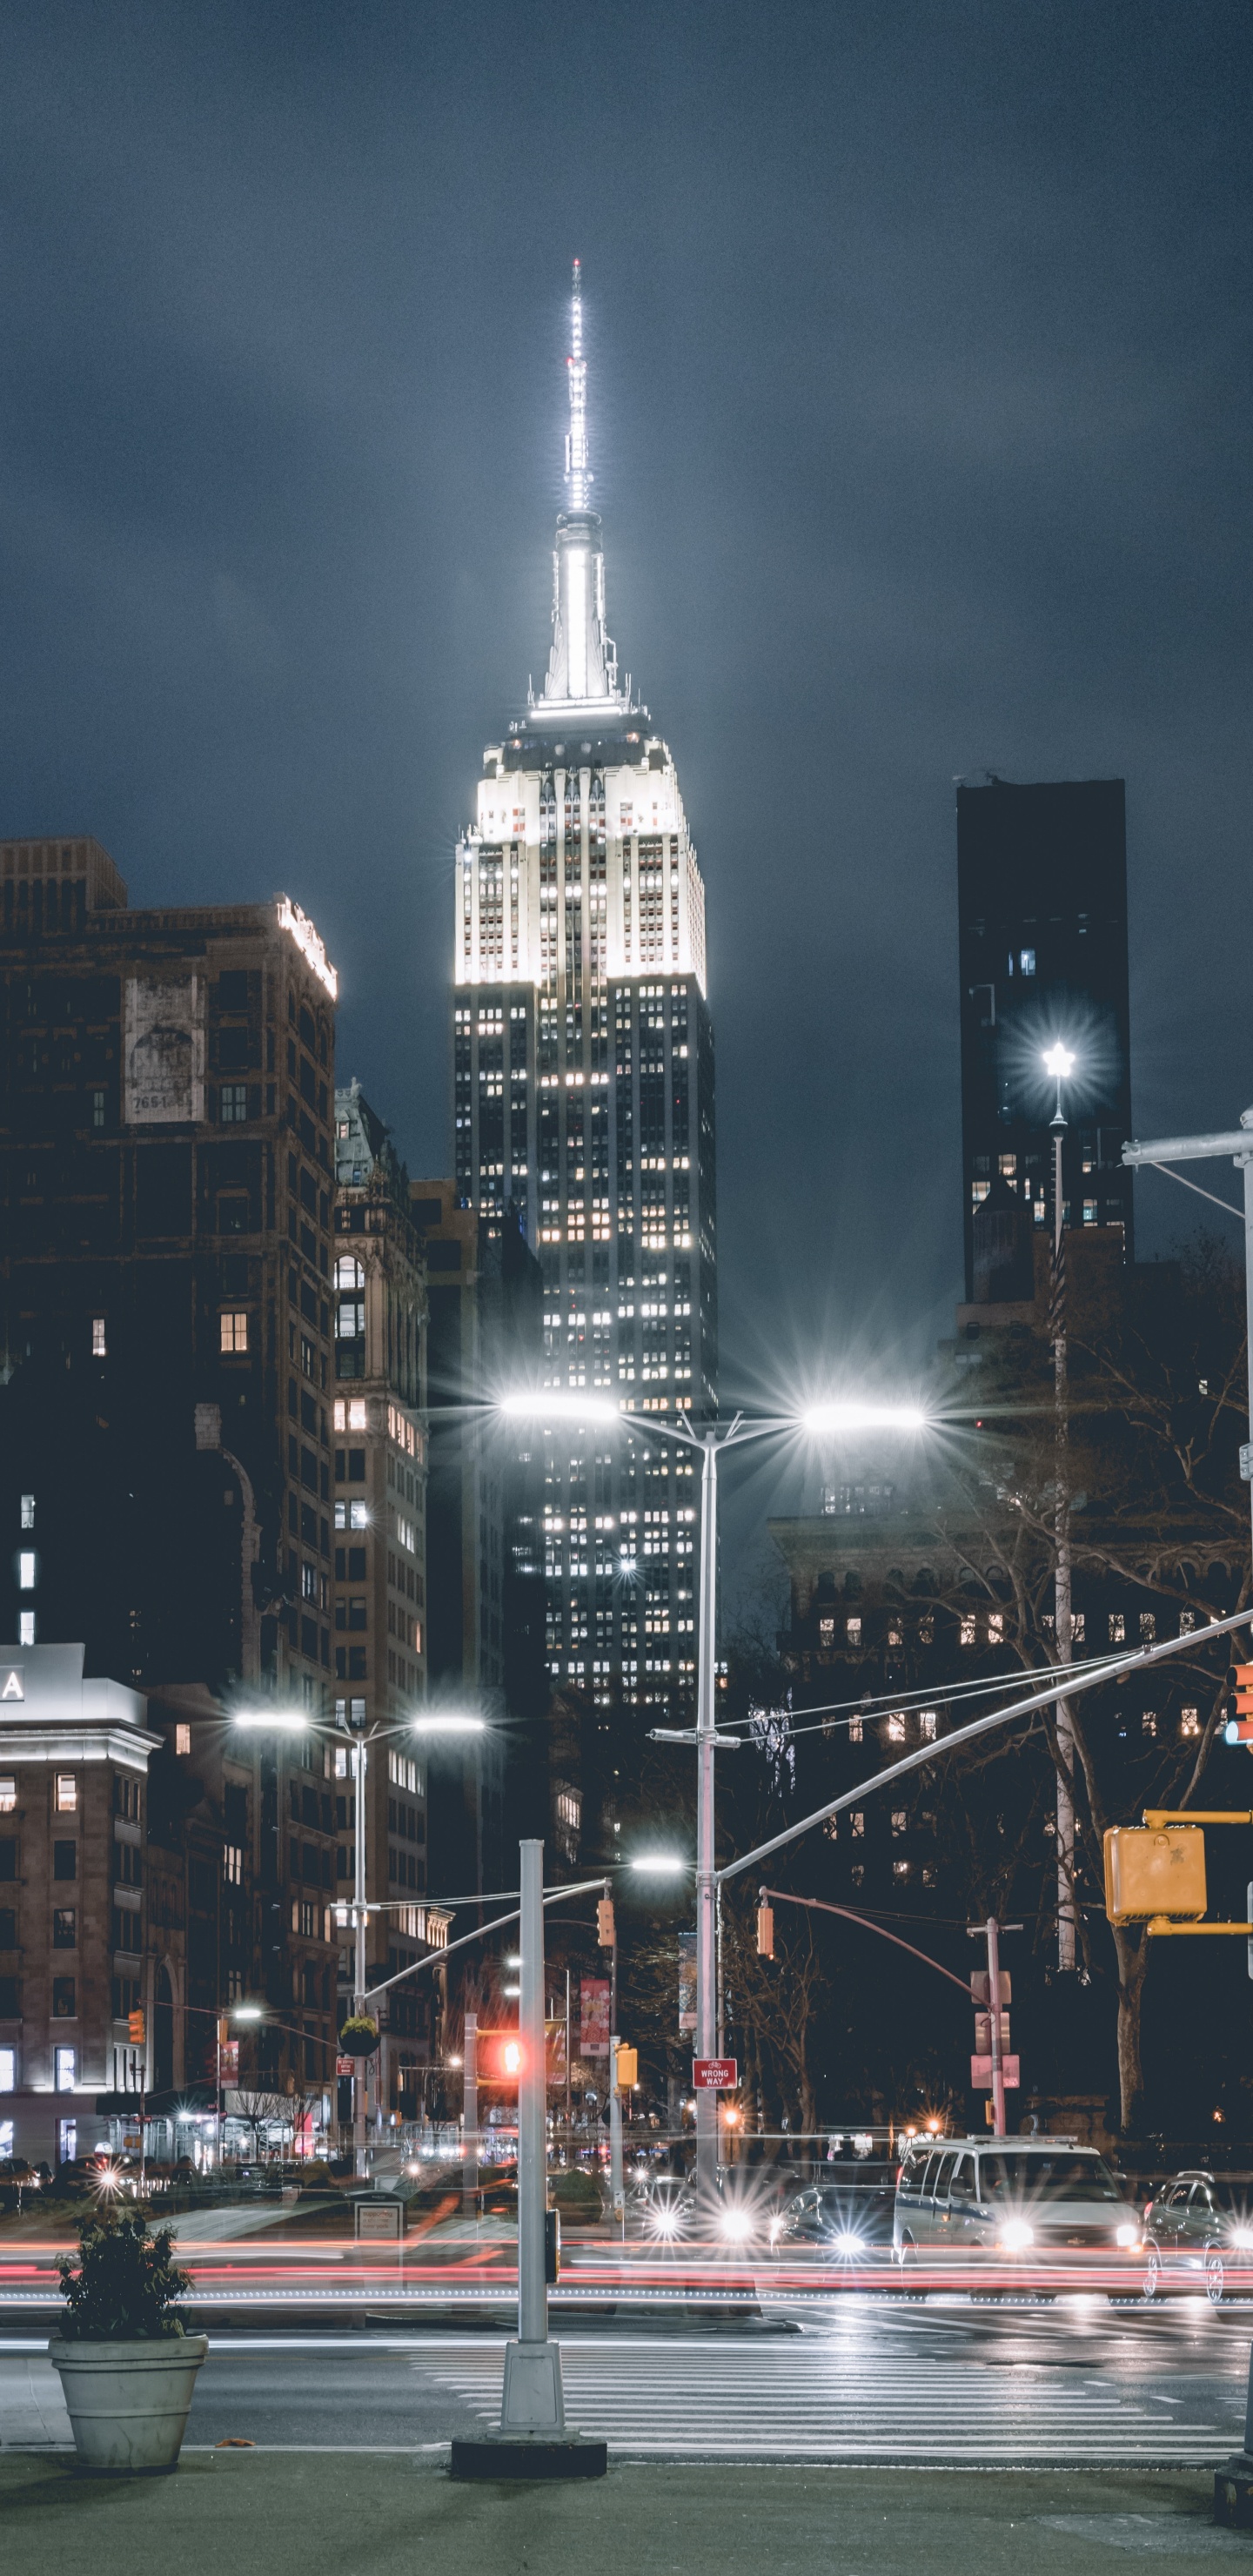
(26, 1627)
(28, 1511)
(8, 2070)
(996, 1628)
(978, 1192)
(859, 1824)
(826, 1630)
(1148, 1722)
(234, 1329)
(402, 1772)
(966, 1629)
(856, 1730)
(341, 1415)
(853, 1631)
(405, 1533)
(1117, 1628)
(341, 1509)
(26, 1570)
(66, 1798)
(1078, 1625)
(67, 2069)
(356, 1413)
(182, 1739)
(1026, 961)
(232, 1864)
(97, 1109)
(1007, 1164)
(1089, 1211)
(349, 1274)
(901, 1868)
(896, 1727)
(928, 1722)
(1189, 1723)
(900, 1820)
(358, 1516)
(234, 1103)
(8, 1794)
(1148, 1627)
(98, 1350)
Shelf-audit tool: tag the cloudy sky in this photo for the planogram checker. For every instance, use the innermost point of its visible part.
(920, 396)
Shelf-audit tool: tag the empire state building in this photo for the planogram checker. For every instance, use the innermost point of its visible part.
(584, 1092)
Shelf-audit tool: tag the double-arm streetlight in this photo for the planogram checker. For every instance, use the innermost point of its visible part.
(565, 1405)
(423, 1726)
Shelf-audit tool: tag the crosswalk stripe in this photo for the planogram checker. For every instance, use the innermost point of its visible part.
(821, 2404)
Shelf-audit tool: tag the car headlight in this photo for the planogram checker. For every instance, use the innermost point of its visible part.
(1127, 2235)
(1015, 2234)
(848, 2241)
(1242, 2236)
(736, 2224)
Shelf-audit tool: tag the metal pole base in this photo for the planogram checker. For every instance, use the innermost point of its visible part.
(1233, 2493)
(533, 2399)
(528, 2455)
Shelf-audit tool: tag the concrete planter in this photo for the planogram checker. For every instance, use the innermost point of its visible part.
(129, 2401)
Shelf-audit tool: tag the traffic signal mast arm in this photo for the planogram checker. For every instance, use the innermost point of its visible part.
(818, 1905)
(435, 1958)
(1067, 1686)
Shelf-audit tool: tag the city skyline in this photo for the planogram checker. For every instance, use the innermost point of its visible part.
(918, 465)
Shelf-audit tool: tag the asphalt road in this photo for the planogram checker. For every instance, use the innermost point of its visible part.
(858, 2380)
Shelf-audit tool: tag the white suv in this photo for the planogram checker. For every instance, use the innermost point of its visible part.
(1016, 2199)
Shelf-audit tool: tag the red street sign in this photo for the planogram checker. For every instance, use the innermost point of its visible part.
(715, 2074)
(345, 2065)
(981, 2073)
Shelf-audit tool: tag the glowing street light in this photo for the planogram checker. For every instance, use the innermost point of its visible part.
(660, 1864)
(271, 1721)
(450, 1725)
(559, 1405)
(853, 1416)
(247, 2012)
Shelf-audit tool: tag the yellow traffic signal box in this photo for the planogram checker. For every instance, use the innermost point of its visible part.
(1154, 1870)
(135, 2029)
(628, 2068)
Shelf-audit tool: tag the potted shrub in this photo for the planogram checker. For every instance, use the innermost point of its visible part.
(127, 2367)
(359, 2036)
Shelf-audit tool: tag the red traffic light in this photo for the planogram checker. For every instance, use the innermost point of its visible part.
(501, 2058)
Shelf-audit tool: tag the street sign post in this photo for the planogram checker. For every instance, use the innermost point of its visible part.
(981, 2074)
(715, 2074)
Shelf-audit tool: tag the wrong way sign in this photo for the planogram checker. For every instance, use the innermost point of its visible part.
(715, 2074)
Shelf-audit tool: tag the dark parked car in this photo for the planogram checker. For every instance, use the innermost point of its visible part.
(1200, 2236)
(844, 2219)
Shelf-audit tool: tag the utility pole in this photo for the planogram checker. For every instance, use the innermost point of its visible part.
(361, 1919)
(1060, 1062)
(533, 2401)
(470, 2114)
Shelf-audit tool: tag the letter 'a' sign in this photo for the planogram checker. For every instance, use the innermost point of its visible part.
(715, 2074)
(11, 1686)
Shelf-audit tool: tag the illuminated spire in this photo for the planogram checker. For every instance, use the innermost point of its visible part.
(578, 479)
(582, 676)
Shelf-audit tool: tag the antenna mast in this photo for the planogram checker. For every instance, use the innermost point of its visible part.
(578, 478)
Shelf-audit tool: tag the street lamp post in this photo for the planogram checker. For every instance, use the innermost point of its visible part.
(704, 1737)
(1059, 1063)
(287, 1722)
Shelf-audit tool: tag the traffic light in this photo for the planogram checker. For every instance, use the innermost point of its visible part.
(628, 2068)
(605, 1932)
(135, 2028)
(501, 2058)
(765, 1930)
(1239, 1729)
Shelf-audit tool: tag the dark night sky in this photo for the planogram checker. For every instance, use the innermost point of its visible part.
(920, 400)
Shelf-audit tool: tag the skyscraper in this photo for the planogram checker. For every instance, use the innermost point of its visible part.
(584, 1093)
(1042, 927)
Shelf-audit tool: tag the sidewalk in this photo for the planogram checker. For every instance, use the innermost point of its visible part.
(311, 2514)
